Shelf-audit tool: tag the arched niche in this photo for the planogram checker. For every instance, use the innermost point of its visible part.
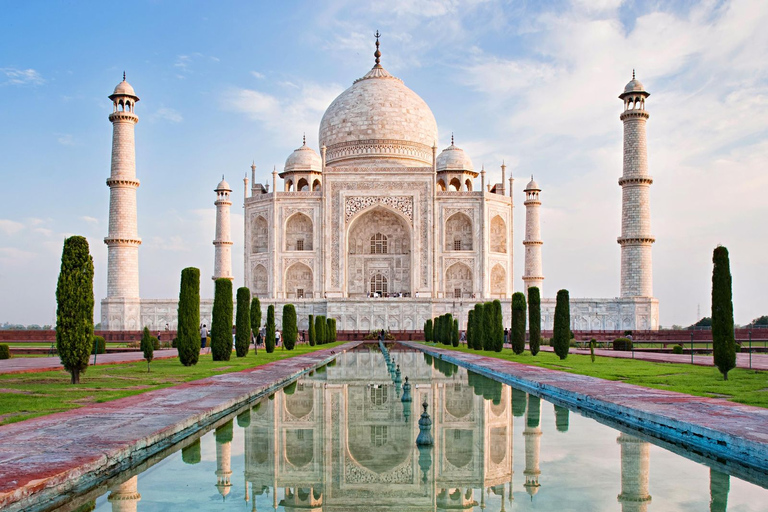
(458, 233)
(298, 233)
(441, 185)
(459, 446)
(458, 281)
(380, 447)
(259, 234)
(298, 281)
(302, 185)
(260, 279)
(299, 446)
(498, 234)
(498, 280)
(455, 185)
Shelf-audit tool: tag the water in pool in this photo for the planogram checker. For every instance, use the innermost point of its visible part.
(342, 439)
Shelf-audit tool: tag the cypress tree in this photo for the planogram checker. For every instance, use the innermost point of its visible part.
(448, 329)
(498, 326)
(290, 329)
(243, 322)
(269, 342)
(320, 329)
(438, 334)
(188, 335)
(311, 330)
(74, 307)
(534, 319)
(330, 332)
(518, 323)
(428, 330)
(221, 324)
(723, 342)
(488, 326)
(561, 334)
(470, 335)
(477, 328)
(255, 315)
(147, 346)
(455, 337)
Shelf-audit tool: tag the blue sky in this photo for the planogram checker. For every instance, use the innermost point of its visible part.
(532, 83)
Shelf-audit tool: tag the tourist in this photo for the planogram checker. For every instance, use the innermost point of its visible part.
(278, 338)
(506, 335)
(203, 336)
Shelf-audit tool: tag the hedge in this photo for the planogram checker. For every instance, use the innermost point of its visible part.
(99, 345)
(5, 352)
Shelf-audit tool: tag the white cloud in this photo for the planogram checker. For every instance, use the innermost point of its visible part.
(167, 114)
(10, 227)
(90, 220)
(66, 139)
(258, 75)
(15, 76)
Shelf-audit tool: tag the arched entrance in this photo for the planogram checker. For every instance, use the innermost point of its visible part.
(379, 254)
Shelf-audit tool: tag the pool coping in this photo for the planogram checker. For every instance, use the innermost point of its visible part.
(69, 452)
(718, 429)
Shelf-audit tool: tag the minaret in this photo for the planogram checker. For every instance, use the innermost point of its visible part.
(125, 497)
(222, 264)
(123, 240)
(532, 435)
(636, 239)
(635, 463)
(533, 274)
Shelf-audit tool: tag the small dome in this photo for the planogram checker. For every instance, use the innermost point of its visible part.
(634, 85)
(532, 185)
(304, 159)
(124, 89)
(223, 185)
(453, 158)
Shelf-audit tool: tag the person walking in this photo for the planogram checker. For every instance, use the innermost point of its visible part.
(203, 336)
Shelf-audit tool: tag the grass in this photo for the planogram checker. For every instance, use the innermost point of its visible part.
(743, 386)
(28, 395)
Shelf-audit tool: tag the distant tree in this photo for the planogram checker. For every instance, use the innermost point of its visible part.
(518, 323)
(477, 327)
(534, 319)
(498, 326)
(488, 315)
(188, 335)
(704, 322)
(269, 342)
(320, 329)
(470, 334)
(221, 324)
(761, 321)
(561, 338)
(243, 322)
(330, 330)
(723, 339)
(290, 328)
(428, 330)
(311, 330)
(147, 346)
(455, 333)
(74, 310)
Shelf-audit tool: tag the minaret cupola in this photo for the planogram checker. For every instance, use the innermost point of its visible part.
(303, 170)
(454, 169)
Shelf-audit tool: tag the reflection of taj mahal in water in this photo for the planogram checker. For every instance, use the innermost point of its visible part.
(342, 440)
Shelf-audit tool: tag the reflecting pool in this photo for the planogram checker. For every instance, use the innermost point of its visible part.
(342, 439)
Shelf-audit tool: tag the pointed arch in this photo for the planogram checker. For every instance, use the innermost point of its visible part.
(298, 233)
(298, 281)
(302, 185)
(259, 234)
(498, 281)
(441, 185)
(498, 234)
(458, 233)
(455, 185)
(458, 280)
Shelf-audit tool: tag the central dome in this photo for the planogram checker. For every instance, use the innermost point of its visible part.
(378, 122)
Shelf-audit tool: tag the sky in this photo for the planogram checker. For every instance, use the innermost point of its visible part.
(534, 84)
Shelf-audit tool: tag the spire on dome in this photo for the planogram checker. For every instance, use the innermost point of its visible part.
(451, 138)
(633, 73)
(377, 53)
(123, 76)
(253, 166)
(304, 139)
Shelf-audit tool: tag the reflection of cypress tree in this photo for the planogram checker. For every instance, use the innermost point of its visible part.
(224, 433)
(489, 389)
(191, 454)
(86, 507)
(719, 485)
(519, 399)
(244, 419)
(446, 368)
(290, 388)
(561, 418)
(428, 359)
(534, 411)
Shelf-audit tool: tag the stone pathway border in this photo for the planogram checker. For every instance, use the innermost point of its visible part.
(712, 426)
(46, 461)
(47, 364)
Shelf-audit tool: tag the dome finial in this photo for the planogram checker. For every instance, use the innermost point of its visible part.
(377, 53)
(123, 76)
(451, 138)
(633, 74)
(304, 139)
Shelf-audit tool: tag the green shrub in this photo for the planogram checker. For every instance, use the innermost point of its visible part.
(191, 454)
(498, 326)
(455, 333)
(174, 343)
(311, 330)
(255, 315)
(221, 324)
(470, 333)
(477, 328)
(155, 342)
(518, 323)
(74, 310)
(592, 344)
(243, 322)
(488, 329)
(147, 346)
(188, 335)
(677, 349)
(428, 330)
(723, 337)
(561, 332)
(331, 332)
(320, 325)
(290, 328)
(99, 345)
(269, 342)
(5, 352)
(622, 344)
(534, 319)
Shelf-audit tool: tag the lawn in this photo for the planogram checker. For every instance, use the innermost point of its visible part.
(743, 386)
(27, 395)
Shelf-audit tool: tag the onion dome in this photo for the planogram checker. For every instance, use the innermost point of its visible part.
(532, 186)
(453, 158)
(124, 89)
(304, 159)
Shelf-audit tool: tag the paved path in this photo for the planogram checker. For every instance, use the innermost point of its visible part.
(713, 426)
(48, 459)
(46, 364)
(759, 361)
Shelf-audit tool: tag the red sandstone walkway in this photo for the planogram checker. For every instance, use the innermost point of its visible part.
(46, 364)
(759, 361)
(53, 455)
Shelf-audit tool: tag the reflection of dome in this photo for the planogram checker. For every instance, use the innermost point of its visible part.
(453, 159)
(378, 116)
(304, 159)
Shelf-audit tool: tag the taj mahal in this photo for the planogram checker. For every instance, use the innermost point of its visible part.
(381, 229)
